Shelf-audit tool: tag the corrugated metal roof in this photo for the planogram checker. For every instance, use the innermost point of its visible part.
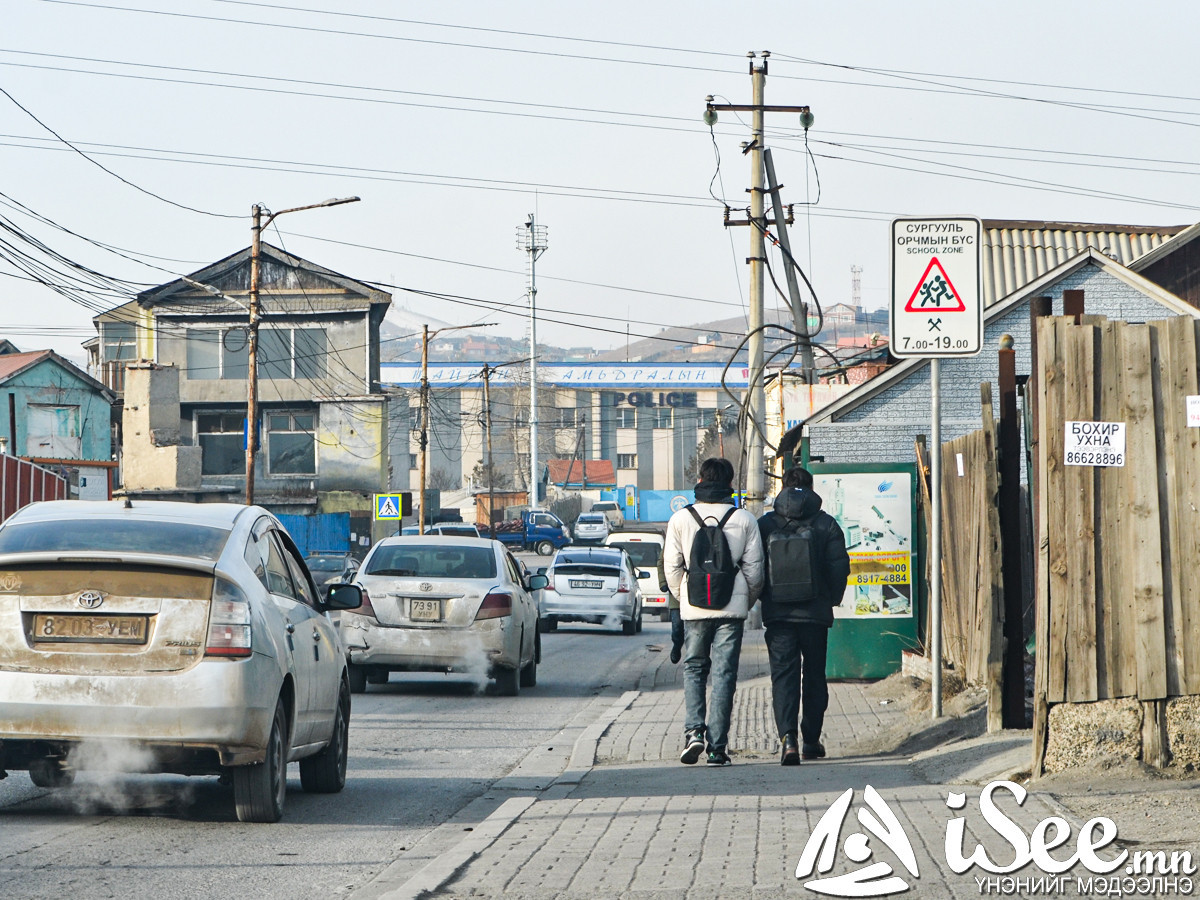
(1016, 253)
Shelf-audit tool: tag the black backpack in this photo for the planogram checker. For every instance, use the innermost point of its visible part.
(790, 560)
(710, 569)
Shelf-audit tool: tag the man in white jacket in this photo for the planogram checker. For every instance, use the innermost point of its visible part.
(712, 637)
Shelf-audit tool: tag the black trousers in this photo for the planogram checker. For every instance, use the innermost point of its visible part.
(797, 652)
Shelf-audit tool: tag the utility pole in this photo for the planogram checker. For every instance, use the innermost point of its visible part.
(755, 473)
(256, 227)
(424, 439)
(531, 238)
(487, 420)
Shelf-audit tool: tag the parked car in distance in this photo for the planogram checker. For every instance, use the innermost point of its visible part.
(645, 549)
(596, 585)
(612, 511)
(455, 529)
(444, 604)
(331, 568)
(189, 636)
(591, 528)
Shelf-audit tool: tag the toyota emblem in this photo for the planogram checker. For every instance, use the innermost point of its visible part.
(91, 599)
(426, 586)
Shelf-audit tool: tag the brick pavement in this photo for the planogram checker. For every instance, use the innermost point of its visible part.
(638, 825)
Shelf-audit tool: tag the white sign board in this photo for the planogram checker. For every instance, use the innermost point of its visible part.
(1094, 444)
(1193, 411)
(937, 304)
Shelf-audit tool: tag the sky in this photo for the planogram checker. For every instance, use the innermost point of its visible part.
(135, 136)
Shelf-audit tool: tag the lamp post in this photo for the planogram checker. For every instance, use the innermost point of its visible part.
(257, 212)
(531, 238)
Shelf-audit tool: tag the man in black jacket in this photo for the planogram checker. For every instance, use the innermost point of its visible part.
(798, 631)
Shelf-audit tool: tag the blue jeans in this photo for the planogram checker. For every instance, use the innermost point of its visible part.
(716, 645)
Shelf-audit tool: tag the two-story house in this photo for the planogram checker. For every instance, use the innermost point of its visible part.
(322, 415)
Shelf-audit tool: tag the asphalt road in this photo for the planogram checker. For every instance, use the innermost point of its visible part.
(421, 748)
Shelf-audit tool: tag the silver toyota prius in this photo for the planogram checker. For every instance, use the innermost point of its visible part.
(169, 637)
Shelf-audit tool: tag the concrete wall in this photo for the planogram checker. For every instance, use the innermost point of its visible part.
(152, 457)
(883, 428)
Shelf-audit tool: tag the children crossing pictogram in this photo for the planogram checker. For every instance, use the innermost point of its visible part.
(934, 292)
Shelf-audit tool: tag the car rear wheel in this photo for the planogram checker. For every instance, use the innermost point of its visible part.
(544, 548)
(325, 773)
(629, 626)
(50, 773)
(547, 623)
(378, 676)
(664, 616)
(358, 679)
(259, 789)
(508, 682)
(639, 622)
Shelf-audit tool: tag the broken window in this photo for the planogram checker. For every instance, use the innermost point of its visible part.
(291, 444)
(222, 440)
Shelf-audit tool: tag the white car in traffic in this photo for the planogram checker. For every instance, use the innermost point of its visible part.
(596, 585)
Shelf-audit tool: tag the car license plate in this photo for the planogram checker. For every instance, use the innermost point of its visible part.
(592, 585)
(90, 629)
(425, 610)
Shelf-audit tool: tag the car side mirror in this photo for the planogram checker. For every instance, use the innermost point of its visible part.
(343, 596)
(643, 575)
(537, 582)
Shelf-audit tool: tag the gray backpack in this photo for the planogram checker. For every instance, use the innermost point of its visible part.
(790, 563)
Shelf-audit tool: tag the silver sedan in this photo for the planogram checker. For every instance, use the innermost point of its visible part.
(172, 637)
(444, 604)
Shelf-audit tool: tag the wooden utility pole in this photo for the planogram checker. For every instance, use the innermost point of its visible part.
(424, 440)
(487, 420)
(252, 352)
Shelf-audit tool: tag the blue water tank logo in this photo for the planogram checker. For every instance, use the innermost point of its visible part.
(884, 486)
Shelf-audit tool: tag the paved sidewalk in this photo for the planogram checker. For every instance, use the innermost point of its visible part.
(638, 824)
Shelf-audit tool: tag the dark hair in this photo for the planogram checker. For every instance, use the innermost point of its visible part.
(717, 470)
(798, 477)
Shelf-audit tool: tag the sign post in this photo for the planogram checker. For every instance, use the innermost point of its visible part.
(936, 311)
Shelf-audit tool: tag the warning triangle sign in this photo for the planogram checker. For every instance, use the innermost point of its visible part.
(934, 292)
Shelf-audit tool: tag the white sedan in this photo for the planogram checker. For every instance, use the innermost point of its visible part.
(182, 637)
(444, 604)
(596, 585)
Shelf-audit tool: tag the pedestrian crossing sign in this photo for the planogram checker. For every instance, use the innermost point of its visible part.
(392, 506)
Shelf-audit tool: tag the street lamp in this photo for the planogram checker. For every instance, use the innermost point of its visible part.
(256, 228)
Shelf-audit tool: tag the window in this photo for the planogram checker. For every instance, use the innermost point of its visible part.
(626, 460)
(218, 353)
(292, 353)
(626, 418)
(412, 461)
(118, 341)
(291, 444)
(222, 440)
(568, 417)
(705, 418)
(664, 417)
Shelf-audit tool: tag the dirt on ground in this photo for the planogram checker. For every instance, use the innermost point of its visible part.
(1154, 809)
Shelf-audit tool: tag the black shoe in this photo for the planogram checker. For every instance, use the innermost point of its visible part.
(812, 751)
(676, 653)
(693, 746)
(790, 755)
(718, 758)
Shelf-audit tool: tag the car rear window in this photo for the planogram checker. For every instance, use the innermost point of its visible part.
(642, 553)
(588, 518)
(326, 563)
(583, 568)
(116, 536)
(427, 560)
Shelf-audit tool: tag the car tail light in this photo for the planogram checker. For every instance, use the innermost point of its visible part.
(550, 580)
(494, 606)
(366, 609)
(228, 622)
(622, 586)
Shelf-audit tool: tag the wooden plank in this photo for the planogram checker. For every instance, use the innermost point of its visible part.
(992, 592)
(1053, 417)
(1079, 550)
(1044, 347)
(1179, 473)
(1143, 552)
(1116, 676)
(956, 602)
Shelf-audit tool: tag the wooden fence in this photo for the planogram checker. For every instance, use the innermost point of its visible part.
(1117, 594)
(972, 605)
(22, 483)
